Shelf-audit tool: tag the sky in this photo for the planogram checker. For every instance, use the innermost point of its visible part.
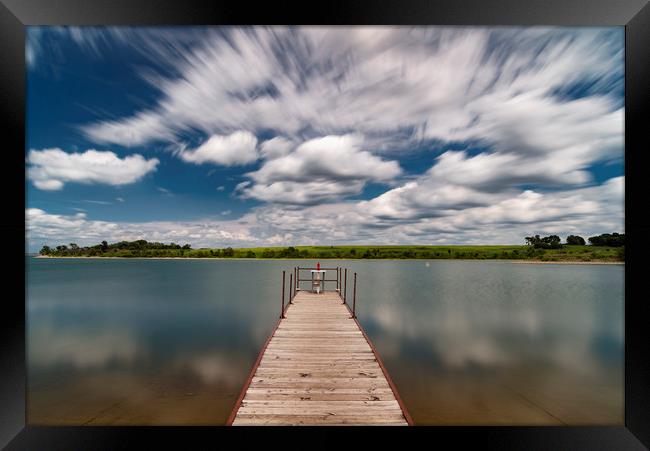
(258, 136)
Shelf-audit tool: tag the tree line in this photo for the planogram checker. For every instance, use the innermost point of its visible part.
(554, 241)
(607, 247)
(114, 249)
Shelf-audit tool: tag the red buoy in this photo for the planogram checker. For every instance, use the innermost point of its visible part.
(318, 266)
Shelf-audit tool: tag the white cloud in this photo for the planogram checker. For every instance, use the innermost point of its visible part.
(50, 169)
(584, 211)
(44, 227)
(339, 157)
(239, 148)
(276, 147)
(319, 169)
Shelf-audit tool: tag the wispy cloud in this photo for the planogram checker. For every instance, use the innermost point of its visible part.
(97, 202)
(441, 82)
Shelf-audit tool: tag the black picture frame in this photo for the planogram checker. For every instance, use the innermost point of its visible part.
(15, 15)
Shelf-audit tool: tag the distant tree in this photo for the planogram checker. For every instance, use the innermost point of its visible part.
(534, 241)
(74, 246)
(552, 242)
(547, 242)
(606, 239)
(104, 246)
(531, 240)
(575, 240)
(250, 254)
(187, 246)
(45, 250)
(289, 252)
(139, 244)
(228, 252)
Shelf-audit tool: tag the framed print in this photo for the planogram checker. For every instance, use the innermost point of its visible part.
(368, 214)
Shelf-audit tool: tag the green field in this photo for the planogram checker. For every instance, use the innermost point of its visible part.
(513, 252)
(497, 252)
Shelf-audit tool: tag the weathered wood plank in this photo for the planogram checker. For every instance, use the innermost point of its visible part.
(363, 411)
(321, 397)
(343, 364)
(328, 383)
(317, 406)
(313, 373)
(318, 391)
(259, 419)
(309, 354)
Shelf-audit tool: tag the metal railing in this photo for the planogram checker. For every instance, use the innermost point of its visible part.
(341, 286)
(298, 278)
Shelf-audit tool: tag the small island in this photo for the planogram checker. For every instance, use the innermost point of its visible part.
(601, 248)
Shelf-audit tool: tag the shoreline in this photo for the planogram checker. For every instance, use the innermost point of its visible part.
(530, 262)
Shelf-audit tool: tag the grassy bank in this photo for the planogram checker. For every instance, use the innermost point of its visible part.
(574, 253)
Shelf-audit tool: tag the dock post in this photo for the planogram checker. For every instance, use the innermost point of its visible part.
(282, 311)
(290, 288)
(338, 279)
(345, 286)
(354, 297)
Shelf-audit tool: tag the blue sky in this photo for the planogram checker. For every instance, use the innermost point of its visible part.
(242, 136)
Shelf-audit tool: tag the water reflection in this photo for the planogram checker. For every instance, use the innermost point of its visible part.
(499, 343)
(171, 342)
(153, 342)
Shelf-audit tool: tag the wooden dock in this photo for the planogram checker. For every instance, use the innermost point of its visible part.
(318, 368)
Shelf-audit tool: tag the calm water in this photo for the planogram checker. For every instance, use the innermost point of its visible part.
(172, 341)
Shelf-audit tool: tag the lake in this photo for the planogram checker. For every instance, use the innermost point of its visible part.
(171, 342)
